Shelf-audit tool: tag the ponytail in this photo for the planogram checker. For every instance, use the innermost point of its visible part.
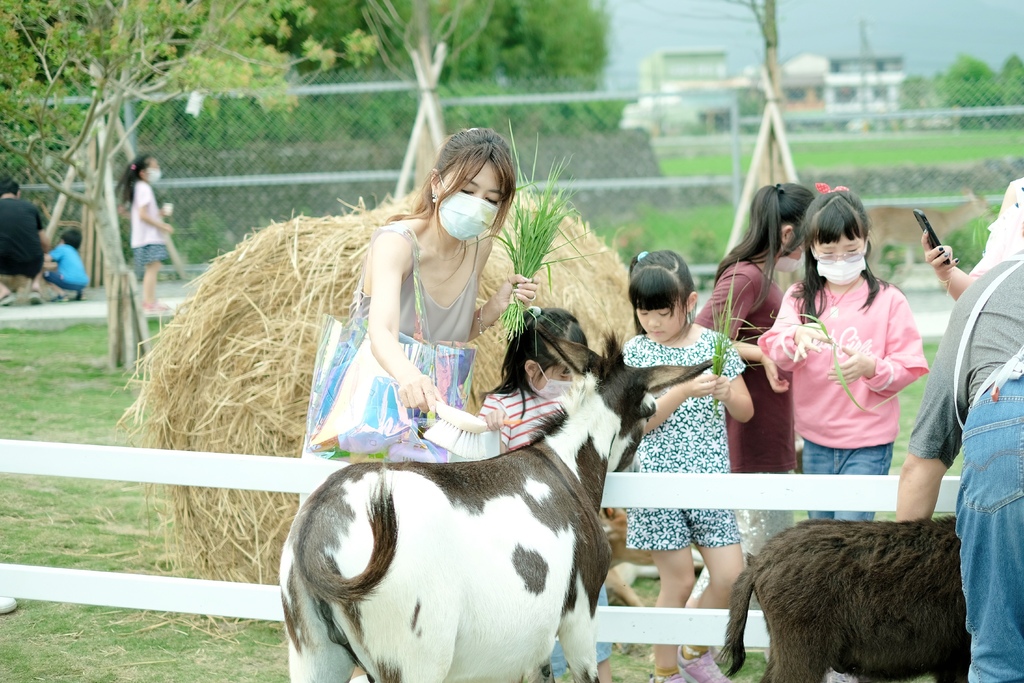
(772, 207)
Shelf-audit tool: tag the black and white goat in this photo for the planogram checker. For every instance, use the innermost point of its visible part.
(425, 573)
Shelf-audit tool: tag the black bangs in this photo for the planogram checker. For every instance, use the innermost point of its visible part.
(836, 219)
(654, 289)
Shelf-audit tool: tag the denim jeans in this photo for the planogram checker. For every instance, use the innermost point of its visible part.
(604, 650)
(990, 524)
(823, 460)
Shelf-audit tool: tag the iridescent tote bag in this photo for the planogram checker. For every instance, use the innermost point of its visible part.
(354, 406)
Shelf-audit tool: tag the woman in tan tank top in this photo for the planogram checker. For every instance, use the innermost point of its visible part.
(461, 206)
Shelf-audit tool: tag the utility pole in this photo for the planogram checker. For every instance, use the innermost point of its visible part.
(865, 66)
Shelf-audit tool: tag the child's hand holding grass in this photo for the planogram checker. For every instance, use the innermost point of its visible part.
(701, 385)
(855, 366)
(808, 338)
(722, 390)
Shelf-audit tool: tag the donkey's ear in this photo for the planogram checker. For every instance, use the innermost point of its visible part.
(577, 357)
(662, 377)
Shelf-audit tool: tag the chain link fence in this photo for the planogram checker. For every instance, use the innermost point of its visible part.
(649, 170)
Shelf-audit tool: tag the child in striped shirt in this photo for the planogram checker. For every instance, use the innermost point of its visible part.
(532, 379)
(532, 382)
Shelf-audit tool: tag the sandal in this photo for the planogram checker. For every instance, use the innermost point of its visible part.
(58, 297)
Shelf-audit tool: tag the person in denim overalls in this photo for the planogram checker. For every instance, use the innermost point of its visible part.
(979, 372)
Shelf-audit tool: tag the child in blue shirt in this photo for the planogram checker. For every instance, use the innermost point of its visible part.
(67, 275)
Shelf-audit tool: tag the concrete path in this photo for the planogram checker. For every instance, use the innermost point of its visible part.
(930, 304)
(50, 316)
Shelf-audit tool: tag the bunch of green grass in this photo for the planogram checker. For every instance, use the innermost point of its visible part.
(723, 320)
(536, 220)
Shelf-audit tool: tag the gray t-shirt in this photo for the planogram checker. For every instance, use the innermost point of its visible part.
(998, 334)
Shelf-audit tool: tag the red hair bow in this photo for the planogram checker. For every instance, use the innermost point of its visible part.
(824, 189)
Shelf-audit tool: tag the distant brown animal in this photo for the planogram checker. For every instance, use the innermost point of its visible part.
(625, 561)
(896, 225)
(874, 599)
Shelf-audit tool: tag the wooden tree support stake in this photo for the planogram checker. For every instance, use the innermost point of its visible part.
(771, 162)
(428, 120)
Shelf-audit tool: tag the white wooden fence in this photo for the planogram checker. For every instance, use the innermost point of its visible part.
(290, 475)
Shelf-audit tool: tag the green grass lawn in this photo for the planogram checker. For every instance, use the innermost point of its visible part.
(58, 390)
(908, 149)
(701, 232)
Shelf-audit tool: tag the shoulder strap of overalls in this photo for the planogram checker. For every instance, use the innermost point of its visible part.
(969, 327)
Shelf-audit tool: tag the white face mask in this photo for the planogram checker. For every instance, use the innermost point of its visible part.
(553, 390)
(464, 216)
(153, 175)
(842, 273)
(788, 264)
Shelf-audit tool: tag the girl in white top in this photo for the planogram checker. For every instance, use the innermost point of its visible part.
(149, 230)
(532, 378)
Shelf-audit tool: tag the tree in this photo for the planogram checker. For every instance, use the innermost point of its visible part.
(105, 54)
(767, 21)
(522, 39)
(970, 82)
(917, 92)
(1011, 81)
(528, 39)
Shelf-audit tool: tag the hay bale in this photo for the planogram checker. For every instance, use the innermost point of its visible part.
(231, 372)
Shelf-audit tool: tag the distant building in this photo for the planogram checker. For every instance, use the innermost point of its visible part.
(842, 85)
(803, 82)
(863, 84)
(682, 90)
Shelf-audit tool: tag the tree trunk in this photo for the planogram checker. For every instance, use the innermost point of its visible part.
(770, 31)
(127, 330)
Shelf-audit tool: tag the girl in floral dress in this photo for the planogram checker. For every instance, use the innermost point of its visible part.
(686, 434)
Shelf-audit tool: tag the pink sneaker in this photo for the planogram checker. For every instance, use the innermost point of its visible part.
(674, 678)
(156, 307)
(701, 670)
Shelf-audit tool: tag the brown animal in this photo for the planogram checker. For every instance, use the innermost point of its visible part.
(877, 599)
(896, 225)
(625, 561)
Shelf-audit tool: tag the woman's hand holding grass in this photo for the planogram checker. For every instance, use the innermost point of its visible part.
(855, 366)
(518, 286)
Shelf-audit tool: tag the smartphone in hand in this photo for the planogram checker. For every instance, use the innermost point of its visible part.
(926, 227)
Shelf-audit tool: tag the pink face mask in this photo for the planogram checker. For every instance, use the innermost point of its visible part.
(788, 264)
(553, 390)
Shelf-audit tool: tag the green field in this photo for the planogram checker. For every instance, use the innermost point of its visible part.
(701, 232)
(57, 390)
(873, 150)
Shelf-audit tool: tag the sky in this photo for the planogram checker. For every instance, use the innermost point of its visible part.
(928, 34)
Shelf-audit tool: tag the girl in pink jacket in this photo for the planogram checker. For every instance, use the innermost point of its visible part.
(871, 332)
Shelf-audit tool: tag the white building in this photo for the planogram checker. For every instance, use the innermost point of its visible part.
(859, 84)
(682, 90)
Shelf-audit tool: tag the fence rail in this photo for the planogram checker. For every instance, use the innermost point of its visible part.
(291, 475)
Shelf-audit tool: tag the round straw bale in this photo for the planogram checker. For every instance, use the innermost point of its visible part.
(231, 372)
